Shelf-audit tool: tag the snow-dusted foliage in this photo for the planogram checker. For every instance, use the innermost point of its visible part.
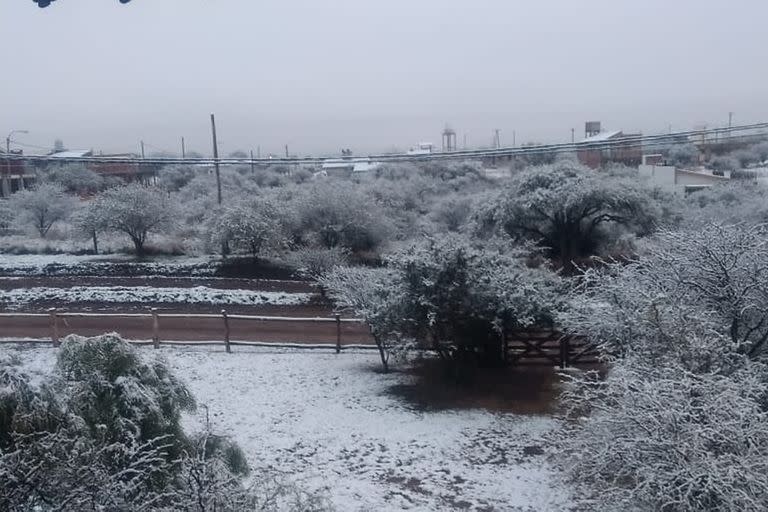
(336, 215)
(568, 209)
(664, 438)
(449, 296)
(314, 263)
(679, 423)
(136, 211)
(42, 207)
(695, 295)
(77, 179)
(103, 433)
(251, 227)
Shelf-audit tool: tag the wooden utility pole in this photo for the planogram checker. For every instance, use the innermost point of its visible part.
(253, 168)
(573, 135)
(286, 151)
(216, 159)
(142, 149)
(183, 149)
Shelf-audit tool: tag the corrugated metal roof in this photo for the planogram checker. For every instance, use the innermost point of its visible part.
(602, 136)
(75, 153)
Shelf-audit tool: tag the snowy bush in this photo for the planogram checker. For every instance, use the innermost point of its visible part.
(42, 207)
(103, 433)
(448, 296)
(314, 263)
(664, 438)
(137, 211)
(251, 227)
(76, 179)
(695, 296)
(567, 210)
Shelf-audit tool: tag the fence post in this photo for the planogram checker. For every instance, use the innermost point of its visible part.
(226, 331)
(54, 327)
(338, 333)
(155, 328)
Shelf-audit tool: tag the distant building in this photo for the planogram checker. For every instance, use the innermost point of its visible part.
(424, 148)
(347, 166)
(680, 181)
(601, 147)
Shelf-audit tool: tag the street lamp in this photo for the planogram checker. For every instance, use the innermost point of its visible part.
(6, 187)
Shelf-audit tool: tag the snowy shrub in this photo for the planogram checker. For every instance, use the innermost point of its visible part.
(664, 438)
(251, 227)
(314, 263)
(683, 155)
(136, 211)
(76, 179)
(334, 215)
(697, 297)
(42, 207)
(566, 209)
(448, 296)
(118, 394)
(6, 218)
(103, 433)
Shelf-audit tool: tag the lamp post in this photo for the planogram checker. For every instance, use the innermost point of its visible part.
(6, 186)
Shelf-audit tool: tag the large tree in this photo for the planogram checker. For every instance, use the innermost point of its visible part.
(43, 206)
(137, 211)
(569, 209)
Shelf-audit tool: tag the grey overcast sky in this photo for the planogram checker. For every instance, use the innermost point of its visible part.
(369, 75)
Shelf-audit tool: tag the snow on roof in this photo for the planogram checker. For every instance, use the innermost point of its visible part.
(74, 153)
(365, 166)
(602, 136)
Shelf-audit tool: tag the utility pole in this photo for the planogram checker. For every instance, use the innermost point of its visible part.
(286, 151)
(252, 163)
(573, 135)
(514, 142)
(496, 138)
(183, 149)
(216, 159)
(142, 149)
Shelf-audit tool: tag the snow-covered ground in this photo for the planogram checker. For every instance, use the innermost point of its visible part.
(18, 297)
(70, 264)
(328, 421)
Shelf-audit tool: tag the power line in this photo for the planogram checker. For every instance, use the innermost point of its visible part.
(723, 134)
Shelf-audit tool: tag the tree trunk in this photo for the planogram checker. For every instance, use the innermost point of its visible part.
(382, 353)
(95, 243)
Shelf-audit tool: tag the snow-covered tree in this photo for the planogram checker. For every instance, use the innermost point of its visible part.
(76, 179)
(252, 227)
(695, 295)
(335, 215)
(137, 211)
(568, 209)
(42, 206)
(651, 437)
(448, 296)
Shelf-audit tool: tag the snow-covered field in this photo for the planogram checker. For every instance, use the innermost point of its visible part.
(18, 297)
(329, 422)
(70, 264)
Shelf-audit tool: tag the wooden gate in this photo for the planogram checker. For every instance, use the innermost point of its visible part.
(548, 347)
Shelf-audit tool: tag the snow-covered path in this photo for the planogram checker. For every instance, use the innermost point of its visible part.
(328, 421)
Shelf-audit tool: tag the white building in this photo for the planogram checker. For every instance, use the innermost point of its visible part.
(681, 181)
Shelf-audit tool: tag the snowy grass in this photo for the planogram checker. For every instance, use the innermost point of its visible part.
(329, 422)
(18, 297)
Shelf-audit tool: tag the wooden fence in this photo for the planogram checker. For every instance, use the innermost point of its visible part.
(155, 318)
(522, 347)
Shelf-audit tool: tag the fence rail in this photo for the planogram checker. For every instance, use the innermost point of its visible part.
(520, 347)
(56, 316)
